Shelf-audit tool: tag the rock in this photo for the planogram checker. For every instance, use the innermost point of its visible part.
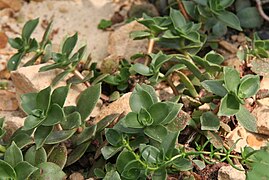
(13, 121)
(3, 40)
(13, 4)
(256, 141)
(234, 62)
(137, 10)
(28, 79)
(230, 173)
(228, 46)
(119, 106)
(76, 176)
(120, 43)
(8, 101)
(262, 113)
(264, 83)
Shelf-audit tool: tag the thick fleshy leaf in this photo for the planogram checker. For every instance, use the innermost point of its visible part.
(28, 102)
(77, 153)
(43, 99)
(132, 170)
(159, 174)
(69, 44)
(231, 79)
(174, 109)
(136, 35)
(215, 86)
(177, 18)
(72, 121)
(55, 115)
(59, 77)
(229, 105)
(28, 28)
(22, 139)
(229, 19)
(149, 153)
(58, 155)
(149, 89)
(158, 111)
(13, 155)
(249, 18)
(249, 86)
(112, 175)
(87, 134)
(140, 99)
(109, 151)
(59, 95)
(14, 61)
(6, 171)
(59, 136)
(103, 123)
(15, 43)
(169, 144)
(157, 133)
(35, 156)
(144, 117)
(209, 121)
(48, 170)
(182, 164)
(41, 134)
(124, 158)
(131, 120)
(24, 170)
(142, 69)
(246, 119)
(113, 136)
(32, 122)
(87, 100)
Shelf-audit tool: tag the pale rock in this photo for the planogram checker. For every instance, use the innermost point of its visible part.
(264, 83)
(8, 101)
(234, 62)
(28, 79)
(13, 4)
(262, 113)
(119, 106)
(245, 138)
(76, 176)
(13, 121)
(230, 173)
(120, 43)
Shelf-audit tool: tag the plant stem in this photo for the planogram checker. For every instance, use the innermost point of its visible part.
(260, 9)
(81, 77)
(150, 49)
(182, 9)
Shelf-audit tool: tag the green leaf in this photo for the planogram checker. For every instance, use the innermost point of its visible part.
(149, 89)
(32, 122)
(136, 35)
(59, 136)
(231, 79)
(72, 121)
(246, 119)
(59, 77)
(131, 120)
(43, 99)
(158, 112)
(219, 29)
(182, 164)
(15, 43)
(109, 151)
(124, 158)
(59, 95)
(58, 155)
(214, 57)
(174, 109)
(209, 121)
(201, 165)
(144, 117)
(229, 19)
(132, 170)
(149, 153)
(99, 173)
(112, 175)
(69, 44)
(169, 144)
(13, 155)
(142, 69)
(48, 171)
(35, 156)
(14, 61)
(87, 134)
(113, 136)
(22, 139)
(87, 100)
(159, 174)
(45, 39)
(55, 115)
(140, 99)
(250, 18)
(28, 28)
(103, 123)
(177, 18)
(103, 24)
(24, 170)
(249, 86)
(77, 153)
(6, 171)
(226, 3)
(215, 86)
(28, 102)
(157, 133)
(229, 105)
(41, 134)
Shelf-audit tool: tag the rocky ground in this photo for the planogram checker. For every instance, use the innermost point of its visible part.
(83, 16)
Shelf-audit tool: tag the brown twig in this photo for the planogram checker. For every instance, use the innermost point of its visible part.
(183, 10)
(150, 49)
(81, 77)
(260, 9)
(172, 86)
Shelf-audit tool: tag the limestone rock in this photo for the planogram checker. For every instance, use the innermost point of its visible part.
(76, 176)
(28, 79)
(119, 106)
(8, 101)
(230, 173)
(120, 43)
(262, 113)
(13, 4)
(256, 141)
